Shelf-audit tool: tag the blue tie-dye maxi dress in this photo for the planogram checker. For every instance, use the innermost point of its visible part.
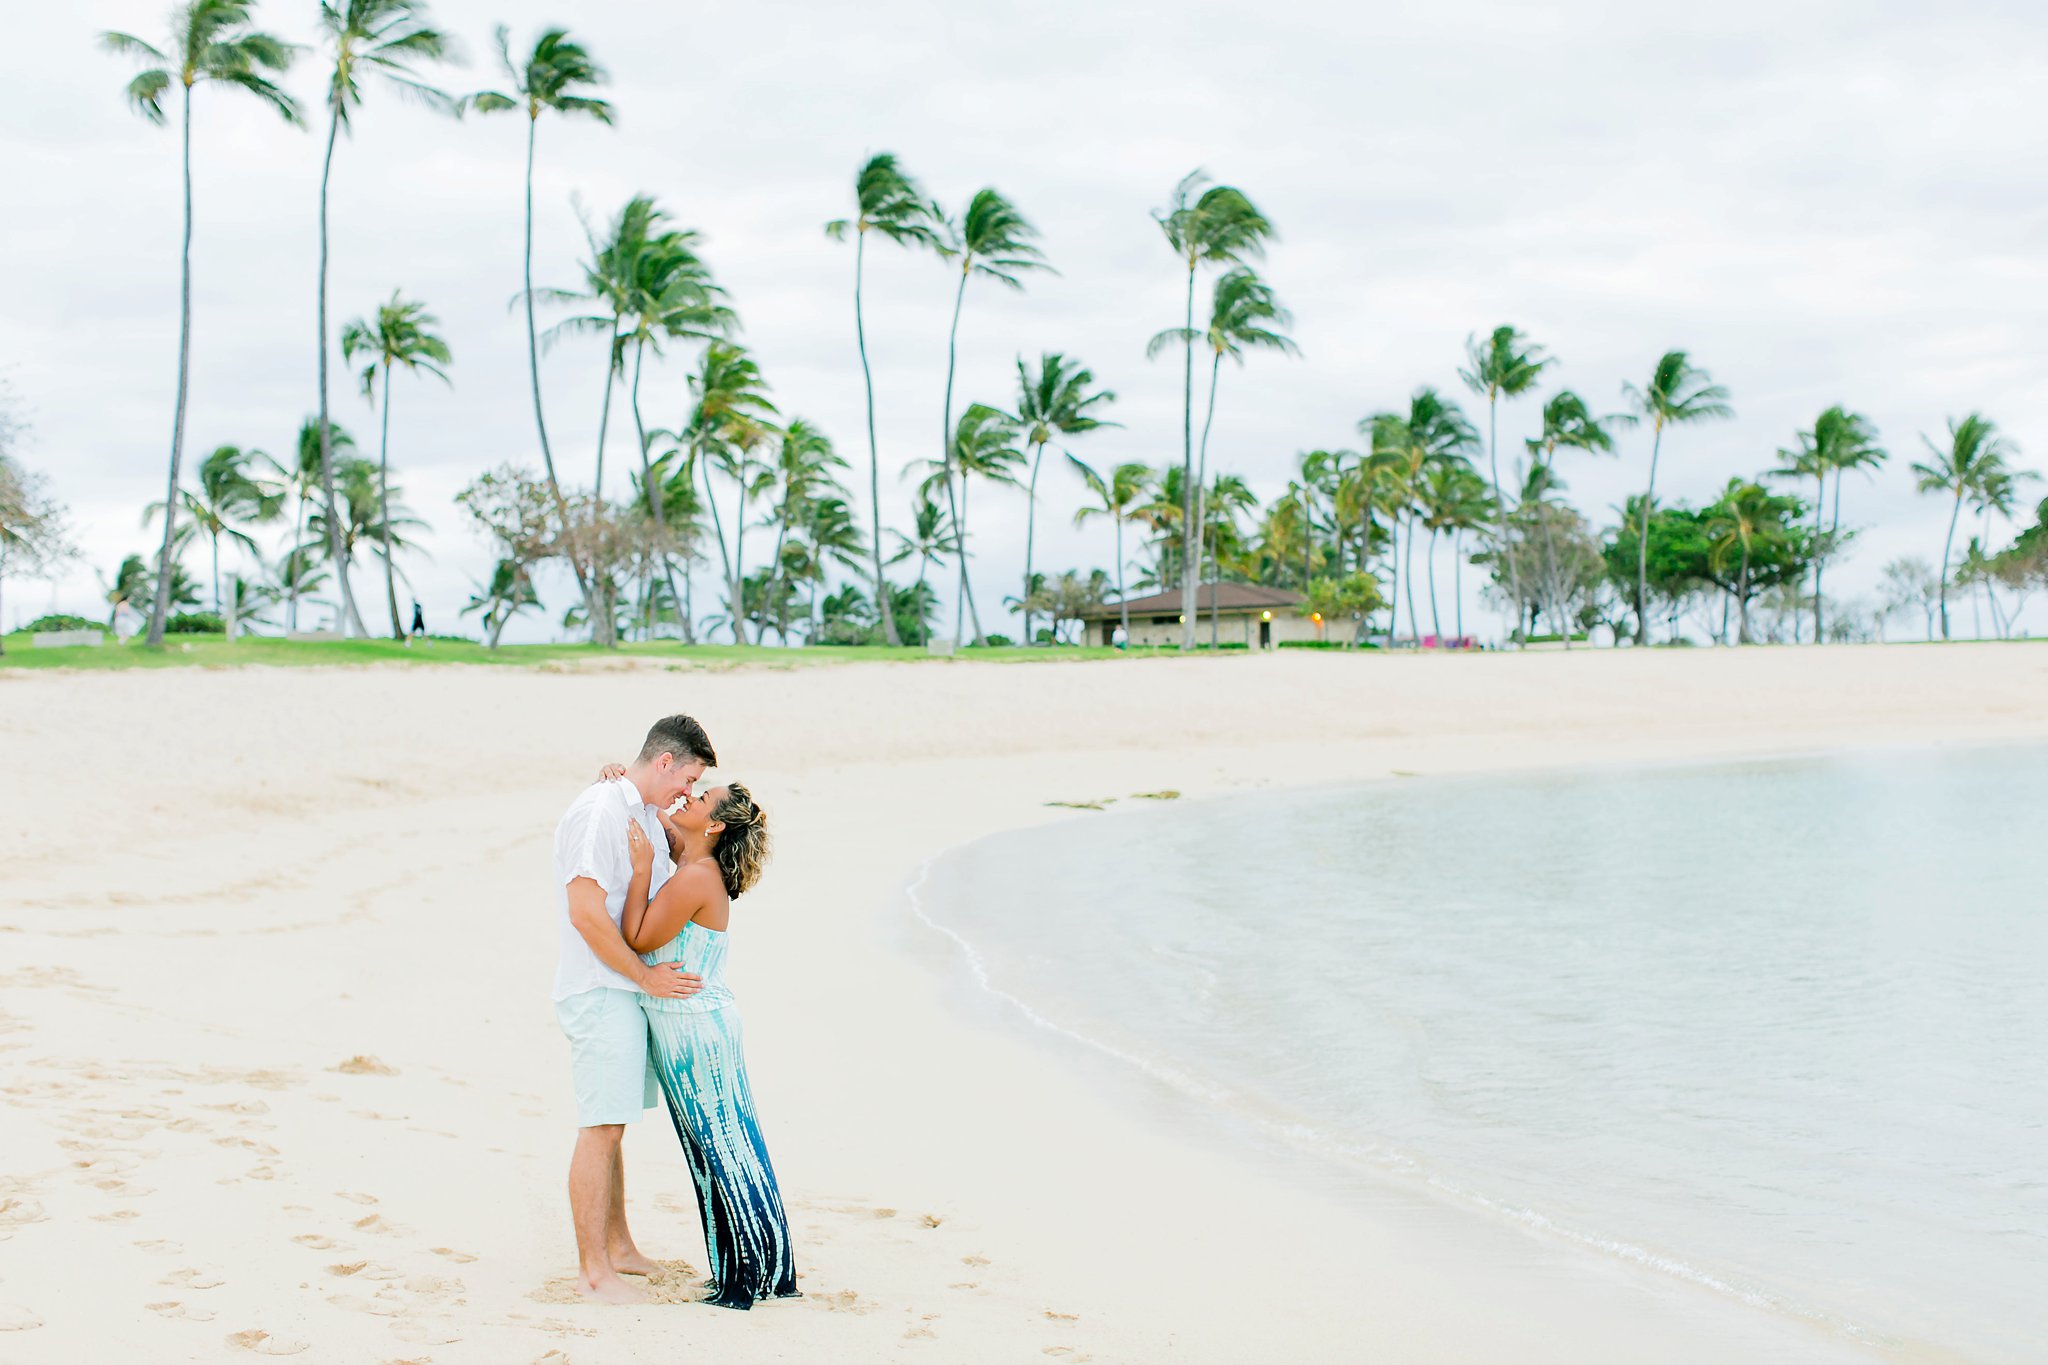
(697, 1056)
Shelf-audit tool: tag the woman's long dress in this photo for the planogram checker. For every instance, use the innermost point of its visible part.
(696, 1048)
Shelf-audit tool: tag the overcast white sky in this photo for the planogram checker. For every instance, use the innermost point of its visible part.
(1825, 202)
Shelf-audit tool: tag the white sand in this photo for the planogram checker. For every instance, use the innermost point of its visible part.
(216, 887)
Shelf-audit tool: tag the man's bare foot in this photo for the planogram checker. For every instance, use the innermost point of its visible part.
(608, 1288)
(632, 1263)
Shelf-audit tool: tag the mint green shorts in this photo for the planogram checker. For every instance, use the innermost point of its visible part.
(608, 1056)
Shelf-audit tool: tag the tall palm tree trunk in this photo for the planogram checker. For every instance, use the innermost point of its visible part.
(1408, 579)
(1394, 582)
(1435, 623)
(604, 414)
(384, 508)
(352, 619)
(655, 498)
(718, 529)
(966, 583)
(1500, 512)
(962, 598)
(291, 608)
(1643, 544)
(1123, 599)
(160, 608)
(1742, 596)
(860, 337)
(1190, 543)
(1947, 549)
(1030, 534)
(214, 542)
(601, 630)
(1820, 497)
(1458, 582)
(1202, 498)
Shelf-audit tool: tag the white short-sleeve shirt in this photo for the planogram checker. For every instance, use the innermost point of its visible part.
(591, 842)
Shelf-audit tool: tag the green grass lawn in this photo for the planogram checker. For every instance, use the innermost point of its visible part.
(215, 651)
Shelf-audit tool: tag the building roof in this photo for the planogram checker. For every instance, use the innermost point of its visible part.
(1227, 598)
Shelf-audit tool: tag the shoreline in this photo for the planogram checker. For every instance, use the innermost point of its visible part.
(312, 868)
(1244, 1129)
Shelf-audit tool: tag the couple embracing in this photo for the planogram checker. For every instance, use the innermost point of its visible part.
(648, 868)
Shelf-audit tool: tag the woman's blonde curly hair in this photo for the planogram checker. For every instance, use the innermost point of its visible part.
(742, 845)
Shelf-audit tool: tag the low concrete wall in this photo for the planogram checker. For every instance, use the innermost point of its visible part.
(60, 639)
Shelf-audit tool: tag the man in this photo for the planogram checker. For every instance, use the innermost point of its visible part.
(598, 982)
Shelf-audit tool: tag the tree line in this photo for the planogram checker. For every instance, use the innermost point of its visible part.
(1750, 564)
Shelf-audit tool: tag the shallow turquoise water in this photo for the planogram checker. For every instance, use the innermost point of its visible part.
(1780, 1028)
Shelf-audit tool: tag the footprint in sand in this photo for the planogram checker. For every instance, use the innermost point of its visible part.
(173, 1309)
(362, 1065)
(264, 1344)
(159, 1244)
(356, 1198)
(191, 1278)
(375, 1223)
(459, 1257)
(15, 1318)
(316, 1241)
(426, 1331)
(382, 1307)
(974, 1260)
(16, 1213)
(346, 1268)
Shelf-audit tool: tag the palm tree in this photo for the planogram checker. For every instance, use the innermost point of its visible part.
(1118, 498)
(508, 593)
(1433, 429)
(1218, 225)
(228, 497)
(1679, 392)
(730, 419)
(669, 487)
(1972, 467)
(1568, 424)
(371, 514)
(991, 238)
(1244, 313)
(887, 201)
(1455, 501)
(1222, 503)
(211, 41)
(932, 536)
(1505, 365)
(1745, 515)
(804, 478)
(1842, 441)
(984, 446)
(300, 482)
(552, 77)
(1052, 402)
(387, 38)
(401, 334)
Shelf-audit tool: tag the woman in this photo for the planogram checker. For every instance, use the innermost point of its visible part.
(720, 841)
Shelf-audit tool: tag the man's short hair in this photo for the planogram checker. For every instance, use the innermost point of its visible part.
(681, 736)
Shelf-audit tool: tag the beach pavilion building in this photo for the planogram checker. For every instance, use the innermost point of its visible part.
(1247, 614)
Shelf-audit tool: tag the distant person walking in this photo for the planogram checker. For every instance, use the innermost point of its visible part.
(419, 625)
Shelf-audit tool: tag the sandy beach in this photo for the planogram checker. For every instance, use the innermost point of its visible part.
(280, 1075)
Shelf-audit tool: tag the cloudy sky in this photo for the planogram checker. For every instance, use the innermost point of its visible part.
(1824, 202)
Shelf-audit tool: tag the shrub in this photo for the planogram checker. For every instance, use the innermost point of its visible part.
(1310, 644)
(194, 623)
(60, 621)
(997, 641)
